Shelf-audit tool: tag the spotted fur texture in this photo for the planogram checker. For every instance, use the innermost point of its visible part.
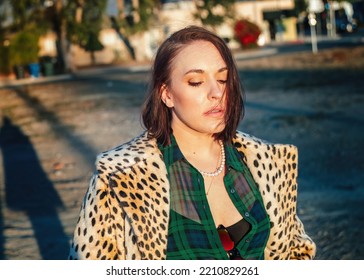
(125, 211)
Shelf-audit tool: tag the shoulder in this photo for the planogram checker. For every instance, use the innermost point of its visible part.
(251, 145)
(129, 154)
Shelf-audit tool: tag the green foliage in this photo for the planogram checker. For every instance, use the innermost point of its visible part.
(147, 15)
(214, 12)
(26, 12)
(84, 31)
(28, 25)
(24, 48)
(93, 43)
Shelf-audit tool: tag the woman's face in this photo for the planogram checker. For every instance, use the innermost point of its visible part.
(196, 93)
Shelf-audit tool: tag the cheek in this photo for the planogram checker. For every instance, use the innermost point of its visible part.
(184, 95)
(189, 101)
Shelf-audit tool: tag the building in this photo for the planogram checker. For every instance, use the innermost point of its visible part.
(274, 17)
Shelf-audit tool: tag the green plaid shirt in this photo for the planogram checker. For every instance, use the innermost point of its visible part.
(191, 232)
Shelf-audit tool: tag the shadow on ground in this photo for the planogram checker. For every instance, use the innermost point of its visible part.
(28, 190)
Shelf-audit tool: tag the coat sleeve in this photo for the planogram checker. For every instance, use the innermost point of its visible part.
(275, 169)
(288, 239)
(99, 232)
(303, 248)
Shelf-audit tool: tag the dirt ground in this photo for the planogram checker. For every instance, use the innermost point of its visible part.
(50, 134)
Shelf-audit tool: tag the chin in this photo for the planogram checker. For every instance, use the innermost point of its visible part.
(218, 130)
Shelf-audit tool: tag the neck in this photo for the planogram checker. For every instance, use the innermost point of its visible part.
(192, 144)
(202, 151)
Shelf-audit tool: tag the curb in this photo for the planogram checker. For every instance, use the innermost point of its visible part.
(30, 81)
(255, 53)
(6, 83)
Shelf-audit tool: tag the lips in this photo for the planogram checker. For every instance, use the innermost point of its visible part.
(216, 111)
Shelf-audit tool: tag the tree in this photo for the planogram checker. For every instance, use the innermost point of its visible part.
(36, 15)
(29, 23)
(214, 12)
(84, 21)
(4, 46)
(92, 45)
(59, 26)
(28, 12)
(80, 22)
(134, 16)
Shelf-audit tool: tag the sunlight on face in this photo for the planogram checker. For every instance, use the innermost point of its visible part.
(196, 93)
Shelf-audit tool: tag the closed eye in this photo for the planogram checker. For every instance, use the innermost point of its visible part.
(222, 81)
(194, 84)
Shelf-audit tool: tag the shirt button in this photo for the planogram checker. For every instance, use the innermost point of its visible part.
(246, 214)
(247, 241)
(232, 190)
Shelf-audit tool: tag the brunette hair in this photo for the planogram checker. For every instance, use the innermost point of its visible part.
(157, 117)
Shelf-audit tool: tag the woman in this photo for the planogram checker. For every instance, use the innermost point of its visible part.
(191, 186)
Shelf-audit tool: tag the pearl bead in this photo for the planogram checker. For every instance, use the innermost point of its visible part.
(220, 168)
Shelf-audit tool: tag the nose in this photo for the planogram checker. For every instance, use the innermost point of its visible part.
(216, 90)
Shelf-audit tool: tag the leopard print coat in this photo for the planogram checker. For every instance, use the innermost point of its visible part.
(125, 212)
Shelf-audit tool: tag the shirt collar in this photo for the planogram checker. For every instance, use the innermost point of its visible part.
(171, 153)
(233, 158)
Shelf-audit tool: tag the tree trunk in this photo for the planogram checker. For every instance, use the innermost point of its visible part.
(62, 45)
(93, 58)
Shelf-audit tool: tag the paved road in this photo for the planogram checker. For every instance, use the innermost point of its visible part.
(51, 132)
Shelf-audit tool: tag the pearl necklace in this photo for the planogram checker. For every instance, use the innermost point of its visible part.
(220, 168)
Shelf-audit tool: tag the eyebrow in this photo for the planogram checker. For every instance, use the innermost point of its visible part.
(200, 71)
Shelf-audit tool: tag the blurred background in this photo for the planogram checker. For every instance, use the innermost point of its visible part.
(43, 38)
(73, 76)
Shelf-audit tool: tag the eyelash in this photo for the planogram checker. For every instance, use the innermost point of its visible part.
(200, 83)
(192, 84)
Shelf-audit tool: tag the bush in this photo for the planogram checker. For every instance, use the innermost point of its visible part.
(24, 48)
(247, 33)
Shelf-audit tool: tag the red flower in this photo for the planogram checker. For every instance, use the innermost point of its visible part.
(246, 32)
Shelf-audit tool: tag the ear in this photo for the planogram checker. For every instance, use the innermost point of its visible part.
(166, 96)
